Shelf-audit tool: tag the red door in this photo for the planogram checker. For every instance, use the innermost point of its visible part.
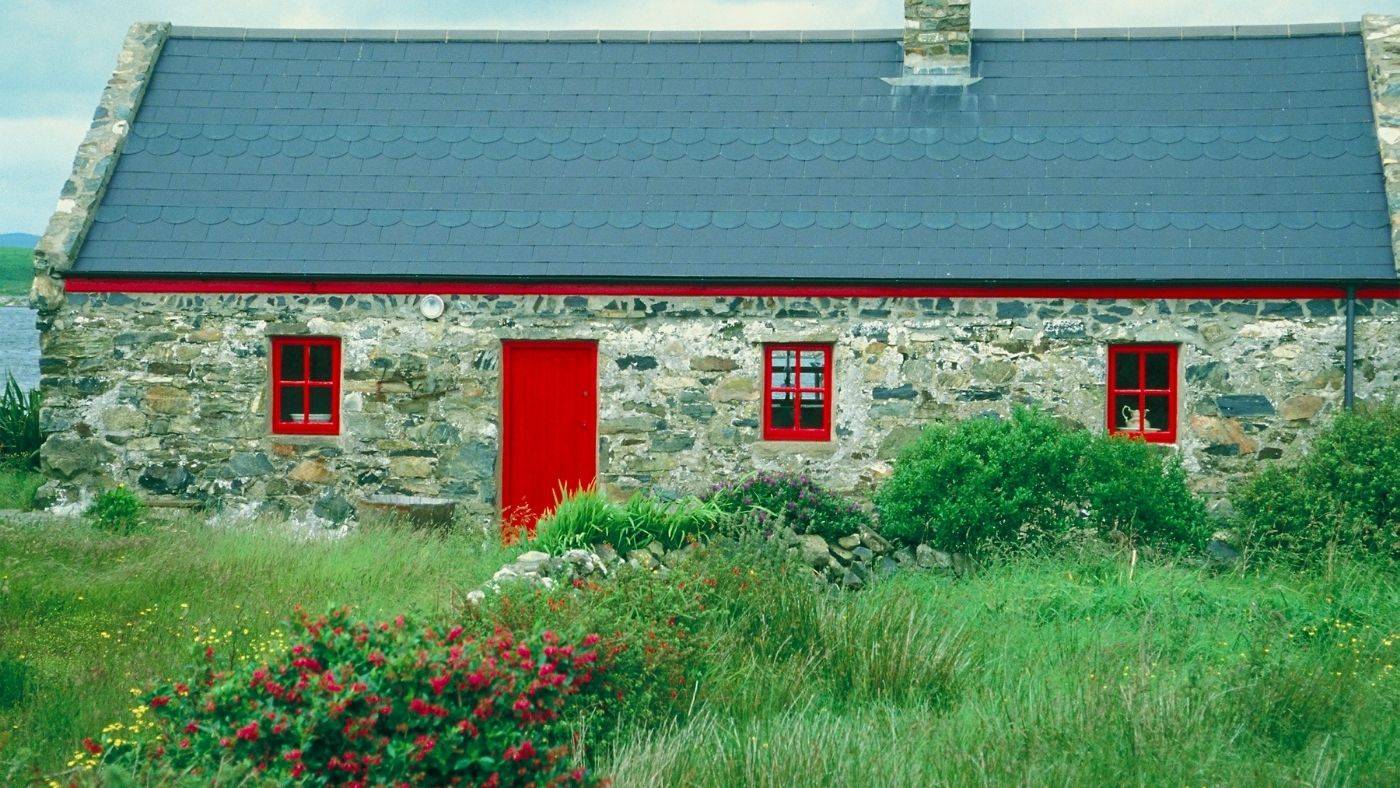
(549, 425)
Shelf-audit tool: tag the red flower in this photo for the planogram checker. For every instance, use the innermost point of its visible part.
(328, 682)
(248, 732)
(159, 700)
(376, 658)
(425, 709)
(184, 742)
(92, 746)
(424, 744)
(292, 755)
(524, 752)
(454, 634)
(192, 727)
(439, 683)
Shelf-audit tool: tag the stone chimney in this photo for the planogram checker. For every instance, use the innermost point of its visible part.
(937, 38)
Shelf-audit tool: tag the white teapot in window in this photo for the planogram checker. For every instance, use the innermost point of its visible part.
(1131, 416)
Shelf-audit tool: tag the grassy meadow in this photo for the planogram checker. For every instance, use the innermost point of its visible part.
(85, 615)
(1072, 668)
(16, 270)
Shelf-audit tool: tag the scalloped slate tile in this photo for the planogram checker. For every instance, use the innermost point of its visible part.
(1069, 160)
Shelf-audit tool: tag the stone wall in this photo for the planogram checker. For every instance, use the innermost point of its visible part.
(937, 36)
(1381, 35)
(170, 393)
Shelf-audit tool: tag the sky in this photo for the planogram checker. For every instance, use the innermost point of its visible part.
(59, 53)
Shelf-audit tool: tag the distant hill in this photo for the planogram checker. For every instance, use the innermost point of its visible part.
(16, 270)
(22, 240)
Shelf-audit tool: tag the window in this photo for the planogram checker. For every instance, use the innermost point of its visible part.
(1142, 391)
(797, 392)
(306, 385)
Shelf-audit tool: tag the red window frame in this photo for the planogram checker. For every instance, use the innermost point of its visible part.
(305, 426)
(1119, 355)
(796, 432)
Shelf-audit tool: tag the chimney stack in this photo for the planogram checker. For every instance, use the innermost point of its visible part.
(937, 38)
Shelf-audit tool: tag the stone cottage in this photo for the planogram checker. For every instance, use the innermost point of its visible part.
(297, 268)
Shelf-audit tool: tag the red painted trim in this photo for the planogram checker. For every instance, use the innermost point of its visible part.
(1138, 353)
(797, 432)
(303, 345)
(1378, 292)
(112, 284)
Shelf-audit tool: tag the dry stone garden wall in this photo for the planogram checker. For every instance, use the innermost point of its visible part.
(169, 393)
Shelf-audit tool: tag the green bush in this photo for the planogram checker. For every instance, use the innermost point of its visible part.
(793, 500)
(1016, 482)
(1344, 494)
(588, 518)
(19, 422)
(117, 510)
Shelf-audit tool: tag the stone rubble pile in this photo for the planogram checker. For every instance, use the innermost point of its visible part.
(850, 562)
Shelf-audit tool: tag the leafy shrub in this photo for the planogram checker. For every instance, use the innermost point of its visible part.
(1343, 494)
(19, 422)
(588, 518)
(118, 510)
(794, 500)
(351, 701)
(1014, 482)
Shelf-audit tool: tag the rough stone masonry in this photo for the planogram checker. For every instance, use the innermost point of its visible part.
(170, 392)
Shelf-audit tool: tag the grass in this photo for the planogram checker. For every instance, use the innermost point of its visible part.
(1077, 670)
(85, 616)
(1082, 668)
(16, 270)
(18, 483)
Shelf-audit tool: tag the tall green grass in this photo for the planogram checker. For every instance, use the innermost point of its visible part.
(18, 483)
(20, 434)
(86, 615)
(588, 517)
(1082, 670)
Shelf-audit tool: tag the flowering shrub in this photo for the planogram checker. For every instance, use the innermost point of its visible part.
(359, 703)
(794, 500)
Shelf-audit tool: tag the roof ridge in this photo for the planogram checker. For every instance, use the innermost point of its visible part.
(1307, 30)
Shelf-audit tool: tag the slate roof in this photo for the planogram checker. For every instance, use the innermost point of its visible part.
(1191, 159)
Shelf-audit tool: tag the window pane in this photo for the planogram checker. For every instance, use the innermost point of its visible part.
(292, 406)
(813, 369)
(784, 363)
(293, 362)
(812, 413)
(1157, 414)
(780, 410)
(321, 362)
(1126, 416)
(320, 404)
(1158, 370)
(1126, 375)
